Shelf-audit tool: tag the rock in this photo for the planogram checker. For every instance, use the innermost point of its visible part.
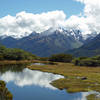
(83, 78)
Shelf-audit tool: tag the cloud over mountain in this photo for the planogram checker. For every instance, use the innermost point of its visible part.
(89, 21)
(24, 23)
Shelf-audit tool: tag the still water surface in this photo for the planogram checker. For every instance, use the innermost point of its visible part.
(27, 84)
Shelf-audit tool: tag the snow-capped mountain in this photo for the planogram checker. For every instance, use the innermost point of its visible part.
(51, 41)
(69, 32)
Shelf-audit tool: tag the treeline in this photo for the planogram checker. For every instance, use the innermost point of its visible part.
(81, 61)
(87, 61)
(15, 54)
(59, 58)
(18, 54)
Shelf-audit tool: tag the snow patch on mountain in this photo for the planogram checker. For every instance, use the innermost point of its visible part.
(76, 34)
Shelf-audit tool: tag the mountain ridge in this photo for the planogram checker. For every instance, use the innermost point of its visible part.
(56, 41)
(48, 42)
(91, 48)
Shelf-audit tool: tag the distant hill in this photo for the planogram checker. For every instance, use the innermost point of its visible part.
(90, 48)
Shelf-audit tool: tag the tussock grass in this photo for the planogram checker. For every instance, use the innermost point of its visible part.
(9, 62)
(74, 76)
(92, 97)
(15, 62)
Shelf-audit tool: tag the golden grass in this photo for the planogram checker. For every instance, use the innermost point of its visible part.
(11, 62)
(92, 97)
(7, 62)
(74, 75)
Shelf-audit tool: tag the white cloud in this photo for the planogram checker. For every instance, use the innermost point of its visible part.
(90, 21)
(24, 23)
(29, 78)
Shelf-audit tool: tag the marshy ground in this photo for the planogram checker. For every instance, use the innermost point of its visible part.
(77, 79)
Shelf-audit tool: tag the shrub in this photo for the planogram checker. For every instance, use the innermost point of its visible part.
(61, 58)
(44, 58)
(15, 54)
(86, 62)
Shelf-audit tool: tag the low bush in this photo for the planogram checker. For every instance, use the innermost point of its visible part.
(94, 61)
(15, 54)
(61, 58)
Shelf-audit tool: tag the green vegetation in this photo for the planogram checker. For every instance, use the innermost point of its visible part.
(4, 92)
(85, 61)
(61, 58)
(15, 54)
(43, 58)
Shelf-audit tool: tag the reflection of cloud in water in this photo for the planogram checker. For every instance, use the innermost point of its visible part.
(29, 77)
(80, 95)
(84, 95)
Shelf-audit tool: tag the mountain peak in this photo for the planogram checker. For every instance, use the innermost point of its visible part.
(67, 32)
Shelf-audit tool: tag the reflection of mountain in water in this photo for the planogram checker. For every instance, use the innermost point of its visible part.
(29, 77)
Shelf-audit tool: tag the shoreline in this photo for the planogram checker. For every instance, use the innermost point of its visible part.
(76, 78)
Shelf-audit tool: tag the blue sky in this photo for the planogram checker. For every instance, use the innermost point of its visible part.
(70, 7)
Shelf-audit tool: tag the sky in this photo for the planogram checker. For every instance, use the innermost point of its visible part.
(19, 18)
(38, 6)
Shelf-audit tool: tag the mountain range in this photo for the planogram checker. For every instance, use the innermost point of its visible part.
(90, 48)
(51, 41)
